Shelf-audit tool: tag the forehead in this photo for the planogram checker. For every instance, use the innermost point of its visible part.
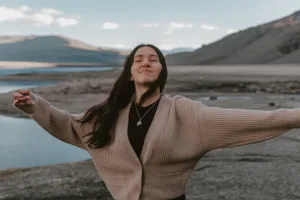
(145, 51)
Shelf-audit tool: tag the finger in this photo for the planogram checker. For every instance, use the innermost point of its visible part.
(16, 94)
(17, 102)
(23, 98)
(24, 92)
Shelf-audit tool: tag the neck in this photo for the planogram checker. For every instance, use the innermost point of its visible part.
(154, 97)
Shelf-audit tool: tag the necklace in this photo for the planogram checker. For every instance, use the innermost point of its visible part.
(140, 121)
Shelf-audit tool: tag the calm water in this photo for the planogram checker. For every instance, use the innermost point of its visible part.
(4, 72)
(25, 144)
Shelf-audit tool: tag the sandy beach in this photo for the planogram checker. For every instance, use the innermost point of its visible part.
(249, 172)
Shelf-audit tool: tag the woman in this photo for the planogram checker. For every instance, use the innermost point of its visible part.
(145, 144)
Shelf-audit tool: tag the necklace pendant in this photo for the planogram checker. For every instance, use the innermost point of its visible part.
(139, 123)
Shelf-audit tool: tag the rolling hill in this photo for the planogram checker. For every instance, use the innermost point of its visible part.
(55, 49)
(276, 42)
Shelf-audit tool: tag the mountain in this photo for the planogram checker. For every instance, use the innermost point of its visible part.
(178, 50)
(270, 43)
(55, 49)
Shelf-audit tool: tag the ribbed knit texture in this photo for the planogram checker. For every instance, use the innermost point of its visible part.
(181, 132)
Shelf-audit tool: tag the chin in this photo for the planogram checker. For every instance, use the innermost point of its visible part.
(146, 82)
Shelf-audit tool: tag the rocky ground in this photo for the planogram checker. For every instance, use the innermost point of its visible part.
(263, 171)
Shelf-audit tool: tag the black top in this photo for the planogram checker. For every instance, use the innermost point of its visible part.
(137, 134)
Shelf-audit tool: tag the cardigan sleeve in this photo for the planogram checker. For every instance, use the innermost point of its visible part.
(225, 127)
(59, 123)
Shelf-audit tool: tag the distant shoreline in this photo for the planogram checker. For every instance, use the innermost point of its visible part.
(78, 90)
(24, 65)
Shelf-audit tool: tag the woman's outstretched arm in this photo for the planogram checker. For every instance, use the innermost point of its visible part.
(59, 123)
(224, 127)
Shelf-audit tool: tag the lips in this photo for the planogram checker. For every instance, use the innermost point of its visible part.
(146, 71)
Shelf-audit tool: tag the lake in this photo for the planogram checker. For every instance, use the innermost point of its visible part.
(4, 72)
(24, 143)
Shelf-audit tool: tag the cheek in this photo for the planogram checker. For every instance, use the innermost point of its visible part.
(158, 69)
(134, 72)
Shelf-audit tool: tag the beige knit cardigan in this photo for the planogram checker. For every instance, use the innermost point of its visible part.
(181, 133)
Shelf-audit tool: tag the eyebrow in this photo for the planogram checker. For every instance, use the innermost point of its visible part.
(140, 55)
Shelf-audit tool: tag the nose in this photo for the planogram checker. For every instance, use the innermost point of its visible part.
(145, 63)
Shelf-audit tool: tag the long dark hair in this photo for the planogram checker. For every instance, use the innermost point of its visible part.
(105, 114)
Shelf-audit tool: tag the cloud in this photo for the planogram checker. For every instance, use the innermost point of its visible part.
(229, 31)
(51, 11)
(64, 22)
(118, 46)
(209, 27)
(11, 14)
(180, 25)
(110, 25)
(44, 17)
(174, 25)
(40, 19)
(149, 25)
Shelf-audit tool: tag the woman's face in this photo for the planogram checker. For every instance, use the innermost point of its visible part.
(146, 66)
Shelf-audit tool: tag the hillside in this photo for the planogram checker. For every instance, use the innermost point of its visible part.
(54, 49)
(273, 43)
(178, 50)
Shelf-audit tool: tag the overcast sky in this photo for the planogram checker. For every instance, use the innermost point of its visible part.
(124, 24)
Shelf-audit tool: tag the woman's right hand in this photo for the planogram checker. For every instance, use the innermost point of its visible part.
(22, 97)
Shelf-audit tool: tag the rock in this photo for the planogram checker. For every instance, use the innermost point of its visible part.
(77, 180)
(252, 88)
(271, 104)
(270, 90)
(212, 98)
(94, 83)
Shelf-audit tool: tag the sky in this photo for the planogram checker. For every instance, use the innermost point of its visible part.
(124, 24)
